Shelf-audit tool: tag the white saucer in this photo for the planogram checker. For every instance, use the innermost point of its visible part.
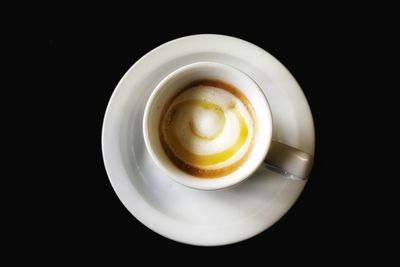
(188, 215)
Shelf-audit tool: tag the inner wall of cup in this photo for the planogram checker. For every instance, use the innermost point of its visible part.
(176, 82)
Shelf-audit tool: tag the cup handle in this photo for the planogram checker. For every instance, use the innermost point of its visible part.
(289, 161)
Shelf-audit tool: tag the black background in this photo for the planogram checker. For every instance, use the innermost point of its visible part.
(322, 52)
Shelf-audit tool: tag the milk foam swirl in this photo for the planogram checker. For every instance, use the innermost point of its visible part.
(208, 129)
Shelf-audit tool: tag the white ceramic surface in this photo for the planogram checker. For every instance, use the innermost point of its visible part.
(170, 85)
(176, 211)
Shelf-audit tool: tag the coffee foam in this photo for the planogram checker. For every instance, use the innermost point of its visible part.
(206, 120)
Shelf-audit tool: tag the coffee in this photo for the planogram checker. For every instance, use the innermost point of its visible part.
(208, 128)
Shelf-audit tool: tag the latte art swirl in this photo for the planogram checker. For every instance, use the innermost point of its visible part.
(207, 129)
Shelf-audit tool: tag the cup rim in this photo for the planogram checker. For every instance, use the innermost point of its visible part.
(209, 183)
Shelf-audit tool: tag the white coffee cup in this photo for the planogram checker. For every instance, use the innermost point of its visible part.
(283, 158)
